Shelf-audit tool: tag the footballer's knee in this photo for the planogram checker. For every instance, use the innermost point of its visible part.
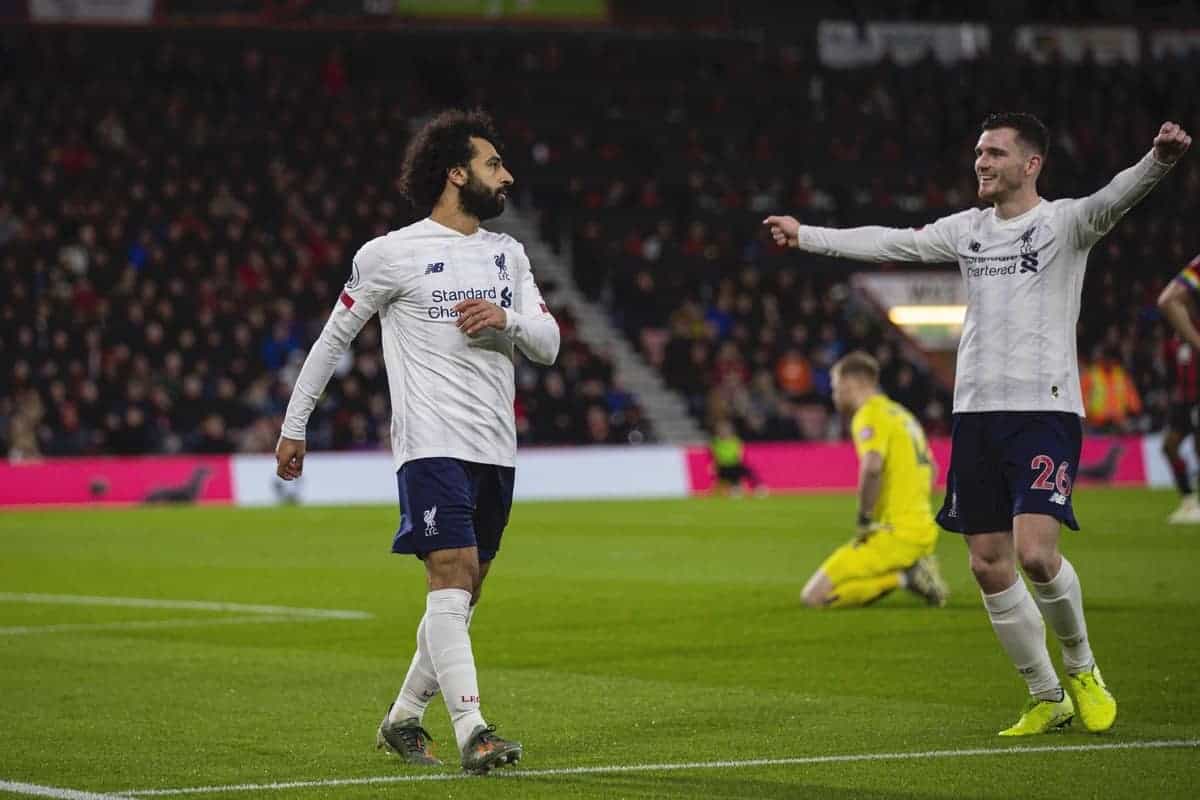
(812, 598)
(1037, 546)
(1040, 563)
(815, 593)
(994, 572)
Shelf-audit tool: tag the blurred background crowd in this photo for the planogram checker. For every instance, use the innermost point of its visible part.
(176, 225)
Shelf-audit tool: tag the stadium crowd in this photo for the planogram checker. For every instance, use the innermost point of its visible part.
(174, 230)
(668, 235)
(173, 235)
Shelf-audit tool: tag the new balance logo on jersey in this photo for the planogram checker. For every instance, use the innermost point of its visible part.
(431, 528)
(1058, 499)
(975, 246)
(503, 269)
(436, 267)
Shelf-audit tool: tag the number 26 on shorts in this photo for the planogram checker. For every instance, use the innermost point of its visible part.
(1062, 481)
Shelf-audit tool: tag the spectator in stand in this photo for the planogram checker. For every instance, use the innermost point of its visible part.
(794, 374)
(1109, 396)
(169, 316)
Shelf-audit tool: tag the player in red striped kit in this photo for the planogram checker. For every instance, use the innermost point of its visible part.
(1178, 302)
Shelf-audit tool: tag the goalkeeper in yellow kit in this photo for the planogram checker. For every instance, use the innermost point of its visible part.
(896, 532)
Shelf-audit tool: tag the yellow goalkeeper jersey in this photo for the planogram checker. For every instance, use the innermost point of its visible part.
(886, 427)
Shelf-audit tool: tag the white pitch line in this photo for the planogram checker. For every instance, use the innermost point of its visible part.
(193, 605)
(191, 622)
(36, 790)
(624, 768)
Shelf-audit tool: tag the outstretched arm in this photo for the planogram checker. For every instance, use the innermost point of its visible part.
(934, 243)
(1098, 213)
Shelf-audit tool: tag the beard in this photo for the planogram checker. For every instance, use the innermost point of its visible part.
(1002, 186)
(479, 201)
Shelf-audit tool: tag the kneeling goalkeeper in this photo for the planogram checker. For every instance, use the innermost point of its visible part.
(896, 532)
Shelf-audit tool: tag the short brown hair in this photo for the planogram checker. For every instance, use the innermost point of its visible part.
(1029, 129)
(858, 364)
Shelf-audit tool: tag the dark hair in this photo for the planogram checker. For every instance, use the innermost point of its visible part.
(1029, 128)
(858, 364)
(442, 144)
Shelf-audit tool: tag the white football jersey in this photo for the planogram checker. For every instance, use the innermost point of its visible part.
(452, 395)
(1024, 277)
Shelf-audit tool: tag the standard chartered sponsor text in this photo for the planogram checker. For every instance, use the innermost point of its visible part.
(457, 296)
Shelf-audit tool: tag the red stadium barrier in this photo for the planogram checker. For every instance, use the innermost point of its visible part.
(82, 481)
(822, 465)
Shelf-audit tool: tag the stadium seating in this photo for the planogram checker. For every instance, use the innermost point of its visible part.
(173, 232)
(660, 185)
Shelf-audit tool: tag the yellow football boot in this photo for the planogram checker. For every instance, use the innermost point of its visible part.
(1097, 706)
(1041, 716)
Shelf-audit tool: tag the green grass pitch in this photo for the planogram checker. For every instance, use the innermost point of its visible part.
(610, 635)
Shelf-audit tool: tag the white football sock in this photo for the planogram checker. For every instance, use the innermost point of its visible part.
(1022, 634)
(450, 649)
(420, 684)
(1061, 602)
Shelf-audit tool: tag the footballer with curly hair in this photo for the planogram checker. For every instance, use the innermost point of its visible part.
(453, 300)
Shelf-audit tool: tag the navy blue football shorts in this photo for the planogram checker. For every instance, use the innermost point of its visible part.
(1004, 463)
(447, 503)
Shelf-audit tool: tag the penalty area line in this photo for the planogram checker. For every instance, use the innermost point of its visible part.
(674, 767)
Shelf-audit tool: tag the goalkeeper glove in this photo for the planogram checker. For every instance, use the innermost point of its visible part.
(864, 527)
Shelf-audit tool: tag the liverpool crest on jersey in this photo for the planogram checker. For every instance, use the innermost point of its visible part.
(1029, 256)
(501, 267)
(1027, 239)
